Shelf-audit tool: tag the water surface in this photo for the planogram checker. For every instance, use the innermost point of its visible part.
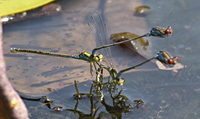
(166, 94)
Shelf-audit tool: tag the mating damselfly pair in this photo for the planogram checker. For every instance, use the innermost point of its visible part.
(95, 20)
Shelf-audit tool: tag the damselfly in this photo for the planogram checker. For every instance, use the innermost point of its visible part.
(82, 56)
(156, 31)
(95, 23)
(162, 56)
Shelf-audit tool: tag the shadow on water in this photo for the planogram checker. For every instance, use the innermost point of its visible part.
(166, 94)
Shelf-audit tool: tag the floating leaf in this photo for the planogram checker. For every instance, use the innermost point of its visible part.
(117, 37)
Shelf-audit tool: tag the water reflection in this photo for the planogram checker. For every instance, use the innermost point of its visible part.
(114, 103)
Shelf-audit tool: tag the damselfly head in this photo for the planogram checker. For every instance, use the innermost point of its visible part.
(160, 32)
(166, 59)
(98, 58)
(173, 60)
(13, 50)
(168, 30)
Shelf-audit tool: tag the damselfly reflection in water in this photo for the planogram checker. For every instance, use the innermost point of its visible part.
(81, 106)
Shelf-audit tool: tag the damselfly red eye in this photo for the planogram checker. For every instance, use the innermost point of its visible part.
(170, 61)
(168, 30)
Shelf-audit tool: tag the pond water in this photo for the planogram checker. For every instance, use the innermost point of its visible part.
(167, 94)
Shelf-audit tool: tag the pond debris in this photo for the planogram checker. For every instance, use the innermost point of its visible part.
(142, 10)
(58, 108)
(122, 36)
(162, 110)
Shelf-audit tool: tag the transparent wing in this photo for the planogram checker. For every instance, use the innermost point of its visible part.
(98, 31)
